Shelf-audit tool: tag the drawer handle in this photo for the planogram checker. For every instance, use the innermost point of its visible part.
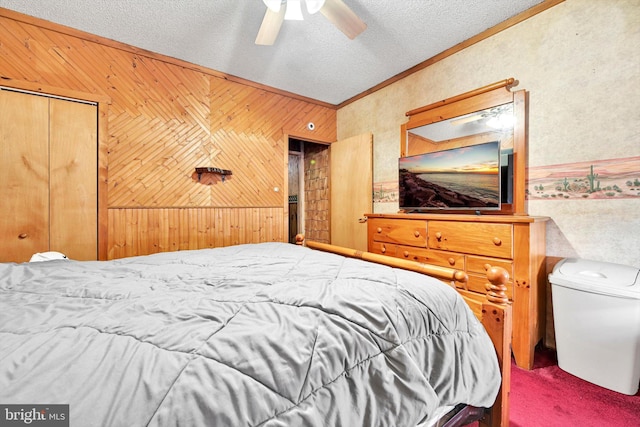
(452, 261)
(497, 241)
(406, 254)
(384, 249)
(438, 236)
(416, 233)
(487, 267)
(22, 236)
(379, 230)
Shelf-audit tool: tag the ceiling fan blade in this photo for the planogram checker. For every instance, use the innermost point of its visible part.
(270, 27)
(343, 17)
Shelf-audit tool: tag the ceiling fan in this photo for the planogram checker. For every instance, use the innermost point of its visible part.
(334, 10)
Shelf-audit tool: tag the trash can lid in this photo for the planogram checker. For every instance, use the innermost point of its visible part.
(598, 277)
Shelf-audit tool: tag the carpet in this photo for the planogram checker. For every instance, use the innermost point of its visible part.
(548, 397)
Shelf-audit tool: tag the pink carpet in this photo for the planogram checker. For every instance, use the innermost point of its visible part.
(548, 396)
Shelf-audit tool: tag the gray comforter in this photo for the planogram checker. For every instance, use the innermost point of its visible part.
(253, 335)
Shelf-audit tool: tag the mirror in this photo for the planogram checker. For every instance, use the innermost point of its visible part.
(491, 124)
(491, 114)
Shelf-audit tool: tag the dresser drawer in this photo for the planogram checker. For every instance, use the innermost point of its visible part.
(443, 259)
(402, 232)
(476, 264)
(383, 248)
(472, 238)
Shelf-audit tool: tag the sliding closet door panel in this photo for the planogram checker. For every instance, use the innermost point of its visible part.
(24, 176)
(74, 189)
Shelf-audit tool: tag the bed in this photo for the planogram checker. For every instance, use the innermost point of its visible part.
(268, 334)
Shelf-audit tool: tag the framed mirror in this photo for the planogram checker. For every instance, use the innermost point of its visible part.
(466, 154)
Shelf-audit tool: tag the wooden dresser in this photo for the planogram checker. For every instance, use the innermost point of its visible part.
(470, 243)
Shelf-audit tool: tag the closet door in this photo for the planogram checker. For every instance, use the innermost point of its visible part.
(74, 179)
(24, 175)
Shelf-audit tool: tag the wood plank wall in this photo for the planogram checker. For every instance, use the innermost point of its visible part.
(167, 117)
(144, 230)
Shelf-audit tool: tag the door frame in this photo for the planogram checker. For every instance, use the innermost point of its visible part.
(301, 214)
(102, 102)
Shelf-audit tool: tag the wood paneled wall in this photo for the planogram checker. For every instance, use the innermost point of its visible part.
(144, 231)
(165, 118)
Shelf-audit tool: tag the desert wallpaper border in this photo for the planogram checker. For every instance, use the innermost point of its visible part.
(598, 179)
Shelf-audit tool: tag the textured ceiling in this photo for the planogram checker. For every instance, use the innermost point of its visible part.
(311, 58)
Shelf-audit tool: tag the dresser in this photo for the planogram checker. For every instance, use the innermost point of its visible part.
(472, 243)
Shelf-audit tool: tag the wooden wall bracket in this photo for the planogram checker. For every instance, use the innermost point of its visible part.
(218, 171)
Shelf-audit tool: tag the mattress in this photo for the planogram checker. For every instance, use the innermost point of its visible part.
(267, 334)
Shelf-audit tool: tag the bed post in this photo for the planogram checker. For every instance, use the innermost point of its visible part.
(496, 319)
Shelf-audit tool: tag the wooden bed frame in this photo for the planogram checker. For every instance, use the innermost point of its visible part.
(494, 313)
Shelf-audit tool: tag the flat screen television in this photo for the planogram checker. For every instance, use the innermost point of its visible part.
(458, 179)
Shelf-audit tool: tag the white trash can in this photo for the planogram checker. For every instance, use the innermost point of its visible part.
(596, 311)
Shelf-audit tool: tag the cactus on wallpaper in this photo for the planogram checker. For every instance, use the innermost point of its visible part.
(592, 177)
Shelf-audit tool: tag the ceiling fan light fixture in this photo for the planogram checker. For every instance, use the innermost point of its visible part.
(314, 5)
(338, 13)
(274, 5)
(293, 11)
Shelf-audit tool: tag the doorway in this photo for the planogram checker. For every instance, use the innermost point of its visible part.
(334, 184)
(308, 190)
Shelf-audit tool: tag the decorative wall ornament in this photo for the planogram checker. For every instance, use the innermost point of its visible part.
(217, 171)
